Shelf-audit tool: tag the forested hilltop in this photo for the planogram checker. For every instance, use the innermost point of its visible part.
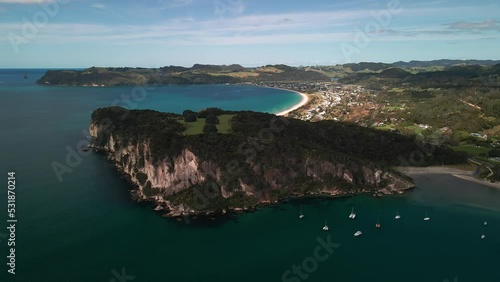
(451, 77)
(236, 160)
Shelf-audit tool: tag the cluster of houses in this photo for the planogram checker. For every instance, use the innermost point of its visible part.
(337, 102)
(341, 102)
(479, 135)
(331, 99)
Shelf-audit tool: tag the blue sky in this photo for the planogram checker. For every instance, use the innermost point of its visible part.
(154, 33)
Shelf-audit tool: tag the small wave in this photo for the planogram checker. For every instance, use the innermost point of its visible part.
(479, 207)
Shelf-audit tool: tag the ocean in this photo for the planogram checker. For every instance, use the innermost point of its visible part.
(87, 228)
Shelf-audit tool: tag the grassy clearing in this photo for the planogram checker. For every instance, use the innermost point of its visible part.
(269, 69)
(471, 150)
(236, 74)
(225, 123)
(392, 108)
(416, 129)
(397, 90)
(386, 127)
(196, 127)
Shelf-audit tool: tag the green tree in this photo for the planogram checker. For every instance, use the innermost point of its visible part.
(211, 119)
(190, 117)
(187, 112)
(210, 111)
(495, 153)
(210, 128)
(493, 109)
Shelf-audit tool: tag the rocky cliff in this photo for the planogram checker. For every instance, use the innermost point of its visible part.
(206, 173)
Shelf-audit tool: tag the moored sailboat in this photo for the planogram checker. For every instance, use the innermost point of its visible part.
(325, 228)
(397, 215)
(353, 214)
(426, 218)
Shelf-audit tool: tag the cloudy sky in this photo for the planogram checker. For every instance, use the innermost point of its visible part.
(152, 33)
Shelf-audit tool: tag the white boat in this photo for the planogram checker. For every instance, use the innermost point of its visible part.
(485, 223)
(301, 214)
(426, 218)
(326, 226)
(377, 225)
(358, 233)
(483, 236)
(397, 215)
(353, 214)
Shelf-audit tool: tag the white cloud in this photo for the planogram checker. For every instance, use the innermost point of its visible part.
(279, 28)
(169, 4)
(471, 26)
(232, 7)
(98, 6)
(25, 1)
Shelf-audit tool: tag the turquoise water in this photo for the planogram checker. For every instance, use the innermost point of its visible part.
(86, 228)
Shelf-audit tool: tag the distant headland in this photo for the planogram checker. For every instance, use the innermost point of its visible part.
(236, 74)
(174, 75)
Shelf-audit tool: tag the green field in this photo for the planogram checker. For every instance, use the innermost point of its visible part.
(196, 127)
(472, 150)
(416, 129)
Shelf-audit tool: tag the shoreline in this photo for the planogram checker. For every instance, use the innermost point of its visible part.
(303, 102)
(458, 172)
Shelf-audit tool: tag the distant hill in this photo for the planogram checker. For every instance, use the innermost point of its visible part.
(367, 66)
(394, 73)
(444, 63)
(456, 76)
(233, 67)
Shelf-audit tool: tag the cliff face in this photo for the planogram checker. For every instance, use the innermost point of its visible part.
(169, 175)
(191, 180)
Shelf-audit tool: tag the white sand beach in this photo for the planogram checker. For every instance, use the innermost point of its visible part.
(305, 100)
(411, 170)
(477, 180)
(460, 172)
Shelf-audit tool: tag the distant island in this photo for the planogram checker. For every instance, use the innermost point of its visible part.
(216, 161)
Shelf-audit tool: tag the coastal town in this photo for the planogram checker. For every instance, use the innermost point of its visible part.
(356, 104)
(330, 101)
(366, 107)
